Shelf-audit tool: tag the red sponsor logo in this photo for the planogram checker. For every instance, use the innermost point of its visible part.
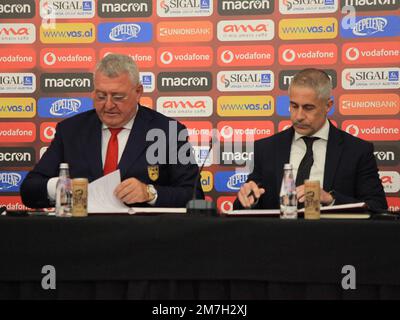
(239, 131)
(393, 203)
(12, 203)
(47, 131)
(246, 55)
(371, 52)
(208, 198)
(22, 31)
(80, 58)
(17, 132)
(143, 56)
(307, 54)
(17, 58)
(200, 132)
(375, 130)
(185, 57)
(225, 204)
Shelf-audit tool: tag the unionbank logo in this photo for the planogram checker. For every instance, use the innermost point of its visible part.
(206, 180)
(238, 131)
(12, 203)
(225, 204)
(286, 76)
(17, 33)
(59, 58)
(387, 155)
(17, 157)
(17, 107)
(308, 54)
(371, 78)
(143, 56)
(184, 8)
(245, 7)
(245, 106)
(185, 31)
(47, 131)
(125, 32)
(200, 132)
(184, 81)
(371, 52)
(390, 181)
(66, 82)
(372, 5)
(17, 58)
(14, 9)
(246, 30)
(373, 129)
(10, 181)
(124, 8)
(190, 106)
(369, 104)
(67, 9)
(229, 181)
(372, 27)
(307, 6)
(245, 80)
(63, 107)
(317, 28)
(17, 132)
(245, 56)
(185, 57)
(67, 33)
(17, 83)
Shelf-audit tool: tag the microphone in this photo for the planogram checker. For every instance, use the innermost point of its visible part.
(200, 206)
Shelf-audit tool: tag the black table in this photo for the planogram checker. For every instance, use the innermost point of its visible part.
(198, 257)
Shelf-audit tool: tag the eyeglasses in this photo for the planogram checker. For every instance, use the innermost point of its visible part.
(116, 98)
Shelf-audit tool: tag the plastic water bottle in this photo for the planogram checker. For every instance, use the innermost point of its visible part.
(64, 192)
(288, 199)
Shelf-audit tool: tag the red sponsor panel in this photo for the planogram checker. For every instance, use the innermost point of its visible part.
(17, 58)
(225, 204)
(208, 198)
(73, 58)
(143, 56)
(12, 203)
(371, 52)
(233, 56)
(47, 131)
(308, 54)
(200, 132)
(184, 57)
(17, 132)
(393, 203)
(373, 129)
(147, 102)
(240, 131)
(185, 31)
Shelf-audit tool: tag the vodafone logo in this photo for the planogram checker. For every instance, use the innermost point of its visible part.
(352, 54)
(308, 54)
(289, 55)
(143, 56)
(47, 131)
(371, 52)
(227, 132)
(166, 57)
(71, 58)
(246, 55)
(227, 56)
(225, 204)
(374, 129)
(178, 57)
(49, 59)
(240, 131)
(353, 130)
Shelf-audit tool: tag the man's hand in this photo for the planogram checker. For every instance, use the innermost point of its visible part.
(249, 193)
(132, 191)
(325, 197)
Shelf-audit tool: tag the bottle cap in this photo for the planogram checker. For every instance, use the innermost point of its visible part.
(64, 166)
(287, 166)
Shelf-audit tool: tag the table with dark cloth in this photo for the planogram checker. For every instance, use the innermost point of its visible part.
(197, 257)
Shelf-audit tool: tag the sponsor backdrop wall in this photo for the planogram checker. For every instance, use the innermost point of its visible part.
(222, 64)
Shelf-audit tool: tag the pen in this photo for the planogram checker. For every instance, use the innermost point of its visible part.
(251, 194)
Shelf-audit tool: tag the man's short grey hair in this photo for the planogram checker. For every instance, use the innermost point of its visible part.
(316, 79)
(113, 65)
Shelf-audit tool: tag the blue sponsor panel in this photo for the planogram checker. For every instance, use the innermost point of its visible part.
(10, 181)
(125, 32)
(371, 27)
(282, 106)
(229, 181)
(63, 107)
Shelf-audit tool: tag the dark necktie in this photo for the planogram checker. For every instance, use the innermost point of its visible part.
(111, 162)
(306, 163)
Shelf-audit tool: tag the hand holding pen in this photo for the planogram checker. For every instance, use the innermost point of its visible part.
(250, 193)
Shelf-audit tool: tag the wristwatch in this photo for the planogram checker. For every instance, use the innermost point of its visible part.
(333, 195)
(152, 192)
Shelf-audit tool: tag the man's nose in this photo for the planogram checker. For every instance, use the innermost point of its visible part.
(109, 102)
(299, 114)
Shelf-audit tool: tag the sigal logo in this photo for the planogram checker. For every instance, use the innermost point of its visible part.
(66, 82)
(371, 52)
(143, 56)
(246, 30)
(245, 55)
(308, 54)
(59, 58)
(245, 80)
(17, 33)
(125, 32)
(202, 156)
(185, 31)
(124, 8)
(245, 106)
(14, 9)
(47, 131)
(372, 5)
(17, 58)
(225, 204)
(185, 57)
(12, 203)
(184, 81)
(63, 107)
(190, 106)
(199, 131)
(207, 181)
(286, 76)
(310, 28)
(147, 80)
(373, 129)
(17, 107)
(17, 82)
(229, 181)
(307, 6)
(68, 33)
(387, 155)
(184, 8)
(67, 9)
(17, 132)
(369, 104)
(10, 181)
(390, 181)
(372, 27)
(238, 131)
(245, 7)
(17, 157)
(370, 78)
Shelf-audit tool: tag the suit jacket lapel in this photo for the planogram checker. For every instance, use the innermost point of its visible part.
(284, 144)
(92, 147)
(333, 153)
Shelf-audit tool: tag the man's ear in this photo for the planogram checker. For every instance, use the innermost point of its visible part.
(139, 90)
(329, 104)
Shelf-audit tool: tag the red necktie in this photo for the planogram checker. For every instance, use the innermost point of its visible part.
(112, 151)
